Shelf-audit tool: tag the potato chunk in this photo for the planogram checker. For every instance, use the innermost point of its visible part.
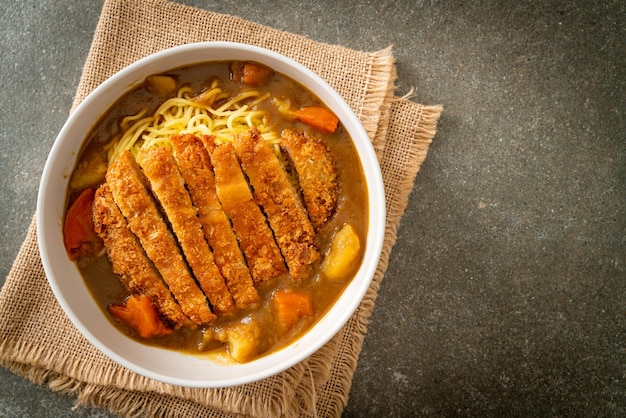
(342, 256)
(162, 85)
(242, 340)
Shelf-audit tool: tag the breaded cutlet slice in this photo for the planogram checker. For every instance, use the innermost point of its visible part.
(195, 167)
(144, 220)
(317, 174)
(278, 197)
(168, 186)
(129, 261)
(255, 237)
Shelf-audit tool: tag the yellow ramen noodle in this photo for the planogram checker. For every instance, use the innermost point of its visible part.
(184, 114)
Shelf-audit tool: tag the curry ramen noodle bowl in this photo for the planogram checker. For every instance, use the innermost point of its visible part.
(218, 209)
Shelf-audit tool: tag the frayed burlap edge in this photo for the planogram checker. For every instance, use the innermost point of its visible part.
(375, 114)
(380, 139)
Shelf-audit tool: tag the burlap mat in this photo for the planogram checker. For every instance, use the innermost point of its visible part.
(41, 344)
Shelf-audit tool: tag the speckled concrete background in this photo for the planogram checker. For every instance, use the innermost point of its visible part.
(506, 291)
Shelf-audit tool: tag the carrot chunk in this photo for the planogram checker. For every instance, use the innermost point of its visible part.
(79, 235)
(290, 306)
(138, 313)
(317, 117)
(254, 74)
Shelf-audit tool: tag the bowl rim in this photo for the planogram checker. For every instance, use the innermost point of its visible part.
(50, 219)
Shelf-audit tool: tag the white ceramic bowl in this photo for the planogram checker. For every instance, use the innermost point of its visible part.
(68, 286)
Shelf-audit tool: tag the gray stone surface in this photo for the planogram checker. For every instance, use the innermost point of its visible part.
(506, 290)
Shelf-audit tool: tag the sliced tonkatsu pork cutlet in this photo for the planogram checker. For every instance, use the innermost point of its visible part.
(278, 197)
(195, 167)
(168, 186)
(144, 220)
(129, 261)
(316, 172)
(255, 237)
